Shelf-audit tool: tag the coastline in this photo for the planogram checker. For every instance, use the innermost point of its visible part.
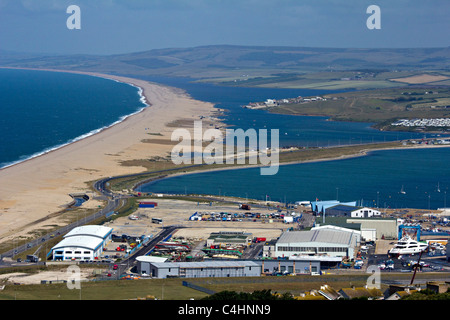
(361, 153)
(37, 188)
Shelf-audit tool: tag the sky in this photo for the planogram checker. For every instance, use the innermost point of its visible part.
(125, 26)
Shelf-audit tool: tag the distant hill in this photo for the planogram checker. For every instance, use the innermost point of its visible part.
(222, 61)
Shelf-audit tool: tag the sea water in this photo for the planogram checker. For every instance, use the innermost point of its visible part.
(41, 110)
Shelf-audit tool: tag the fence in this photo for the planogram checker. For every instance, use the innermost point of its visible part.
(198, 288)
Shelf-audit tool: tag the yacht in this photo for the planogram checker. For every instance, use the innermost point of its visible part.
(402, 191)
(407, 245)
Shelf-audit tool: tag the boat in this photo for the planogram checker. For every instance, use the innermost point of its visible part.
(402, 191)
(406, 245)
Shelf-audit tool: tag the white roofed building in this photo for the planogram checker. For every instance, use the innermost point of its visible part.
(82, 243)
(82, 248)
(326, 241)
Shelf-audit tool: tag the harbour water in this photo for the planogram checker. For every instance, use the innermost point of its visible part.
(375, 180)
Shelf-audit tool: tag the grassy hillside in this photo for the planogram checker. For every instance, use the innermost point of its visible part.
(381, 106)
(297, 67)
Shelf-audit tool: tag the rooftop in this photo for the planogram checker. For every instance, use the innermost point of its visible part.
(87, 242)
(206, 264)
(89, 230)
(318, 235)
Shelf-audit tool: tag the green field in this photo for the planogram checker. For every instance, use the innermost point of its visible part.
(381, 106)
(172, 289)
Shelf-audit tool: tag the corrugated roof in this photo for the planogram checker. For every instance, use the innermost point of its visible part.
(206, 264)
(325, 236)
(87, 242)
(90, 230)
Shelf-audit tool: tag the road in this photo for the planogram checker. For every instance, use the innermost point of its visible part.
(114, 202)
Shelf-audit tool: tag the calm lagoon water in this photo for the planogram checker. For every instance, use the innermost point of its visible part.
(375, 180)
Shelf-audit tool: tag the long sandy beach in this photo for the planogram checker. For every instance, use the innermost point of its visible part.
(40, 187)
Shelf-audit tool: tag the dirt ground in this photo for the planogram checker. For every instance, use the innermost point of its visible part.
(177, 212)
(64, 274)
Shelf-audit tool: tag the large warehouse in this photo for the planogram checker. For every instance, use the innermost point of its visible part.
(322, 241)
(82, 243)
(205, 269)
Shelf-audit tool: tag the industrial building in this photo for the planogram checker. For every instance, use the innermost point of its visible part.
(101, 232)
(144, 262)
(241, 268)
(340, 210)
(235, 268)
(376, 228)
(365, 213)
(322, 206)
(229, 238)
(331, 242)
(84, 243)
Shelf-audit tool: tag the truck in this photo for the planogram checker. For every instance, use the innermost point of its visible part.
(244, 206)
(259, 239)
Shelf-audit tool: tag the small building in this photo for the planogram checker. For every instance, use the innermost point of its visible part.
(438, 287)
(361, 292)
(147, 204)
(206, 269)
(269, 249)
(365, 213)
(294, 265)
(144, 262)
(229, 238)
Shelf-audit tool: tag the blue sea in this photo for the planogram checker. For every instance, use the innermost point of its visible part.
(41, 111)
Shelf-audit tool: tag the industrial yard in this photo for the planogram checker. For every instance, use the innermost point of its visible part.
(263, 244)
(179, 212)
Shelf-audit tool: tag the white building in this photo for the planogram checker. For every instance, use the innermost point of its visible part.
(100, 232)
(326, 241)
(82, 243)
(365, 213)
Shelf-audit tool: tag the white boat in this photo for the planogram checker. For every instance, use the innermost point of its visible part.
(402, 191)
(407, 245)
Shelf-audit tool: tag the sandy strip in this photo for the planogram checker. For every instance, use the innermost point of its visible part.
(41, 186)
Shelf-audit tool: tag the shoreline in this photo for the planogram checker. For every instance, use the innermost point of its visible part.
(33, 192)
(361, 153)
(143, 99)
